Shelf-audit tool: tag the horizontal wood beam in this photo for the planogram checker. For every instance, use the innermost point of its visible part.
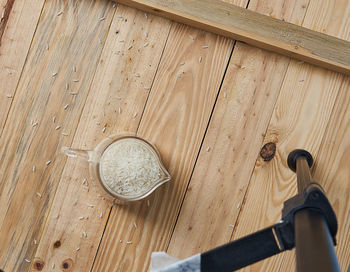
(254, 29)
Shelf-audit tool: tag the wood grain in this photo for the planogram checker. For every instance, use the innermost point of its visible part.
(175, 119)
(332, 171)
(236, 131)
(41, 95)
(300, 120)
(16, 33)
(255, 29)
(115, 85)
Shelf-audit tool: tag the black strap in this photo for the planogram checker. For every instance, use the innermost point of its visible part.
(245, 251)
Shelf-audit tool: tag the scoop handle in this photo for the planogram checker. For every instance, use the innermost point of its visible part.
(88, 155)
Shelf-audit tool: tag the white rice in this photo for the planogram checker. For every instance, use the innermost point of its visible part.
(129, 168)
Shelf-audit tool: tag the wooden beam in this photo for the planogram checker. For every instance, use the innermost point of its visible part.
(255, 29)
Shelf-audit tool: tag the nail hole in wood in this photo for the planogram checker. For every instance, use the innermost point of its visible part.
(38, 265)
(57, 244)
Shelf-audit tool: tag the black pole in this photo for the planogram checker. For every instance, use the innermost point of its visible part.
(313, 241)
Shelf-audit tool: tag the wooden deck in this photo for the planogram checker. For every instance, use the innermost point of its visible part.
(207, 103)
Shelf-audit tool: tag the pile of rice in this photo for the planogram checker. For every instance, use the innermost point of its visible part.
(129, 168)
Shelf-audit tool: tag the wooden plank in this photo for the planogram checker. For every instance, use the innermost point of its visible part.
(16, 32)
(175, 120)
(300, 119)
(26, 195)
(115, 85)
(255, 29)
(236, 131)
(332, 171)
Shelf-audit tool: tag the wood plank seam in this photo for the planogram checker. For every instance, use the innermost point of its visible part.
(143, 110)
(99, 244)
(187, 223)
(148, 95)
(202, 142)
(25, 60)
(246, 193)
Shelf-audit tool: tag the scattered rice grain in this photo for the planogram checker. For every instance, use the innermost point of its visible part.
(147, 88)
(33, 168)
(48, 162)
(81, 217)
(66, 106)
(129, 242)
(99, 41)
(53, 266)
(73, 93)
(205, 46)
(57, 127)
(34, 242)
(208, 149)
(90, 205)
(59, 13)
(9, 71)
(74, 68)
(146, 15)
(231, 226)
(75, 80)
(104, 129)
(67, 86)
(47, 46)
(200, 59)
(137, 75)
(27, 261)
(2, 15)
(135, 225)
(243, 67)
(9, 96)
(84, 234)
(119, 110)
(120, 241)
(35, 124)
(38, 194)
(54, 119)
(191, 37)
(225, 94)
(134, 115)
(146, 44)
(54, 74)
(77, 249)
(114, 5)
(101, 214)
(145, 34)
(129, 47)
(102, 18)
(182, 63)
(65, 134)
(238, 205)
(84, 182)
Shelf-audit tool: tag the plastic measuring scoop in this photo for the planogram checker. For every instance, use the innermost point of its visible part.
(97, 166)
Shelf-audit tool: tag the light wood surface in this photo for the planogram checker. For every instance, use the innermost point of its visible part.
(255, 29)
(114, 86)
(208, 104)
(16, 33)
(236, 131)
(175, 120)
(300, 120)
(41, 95)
